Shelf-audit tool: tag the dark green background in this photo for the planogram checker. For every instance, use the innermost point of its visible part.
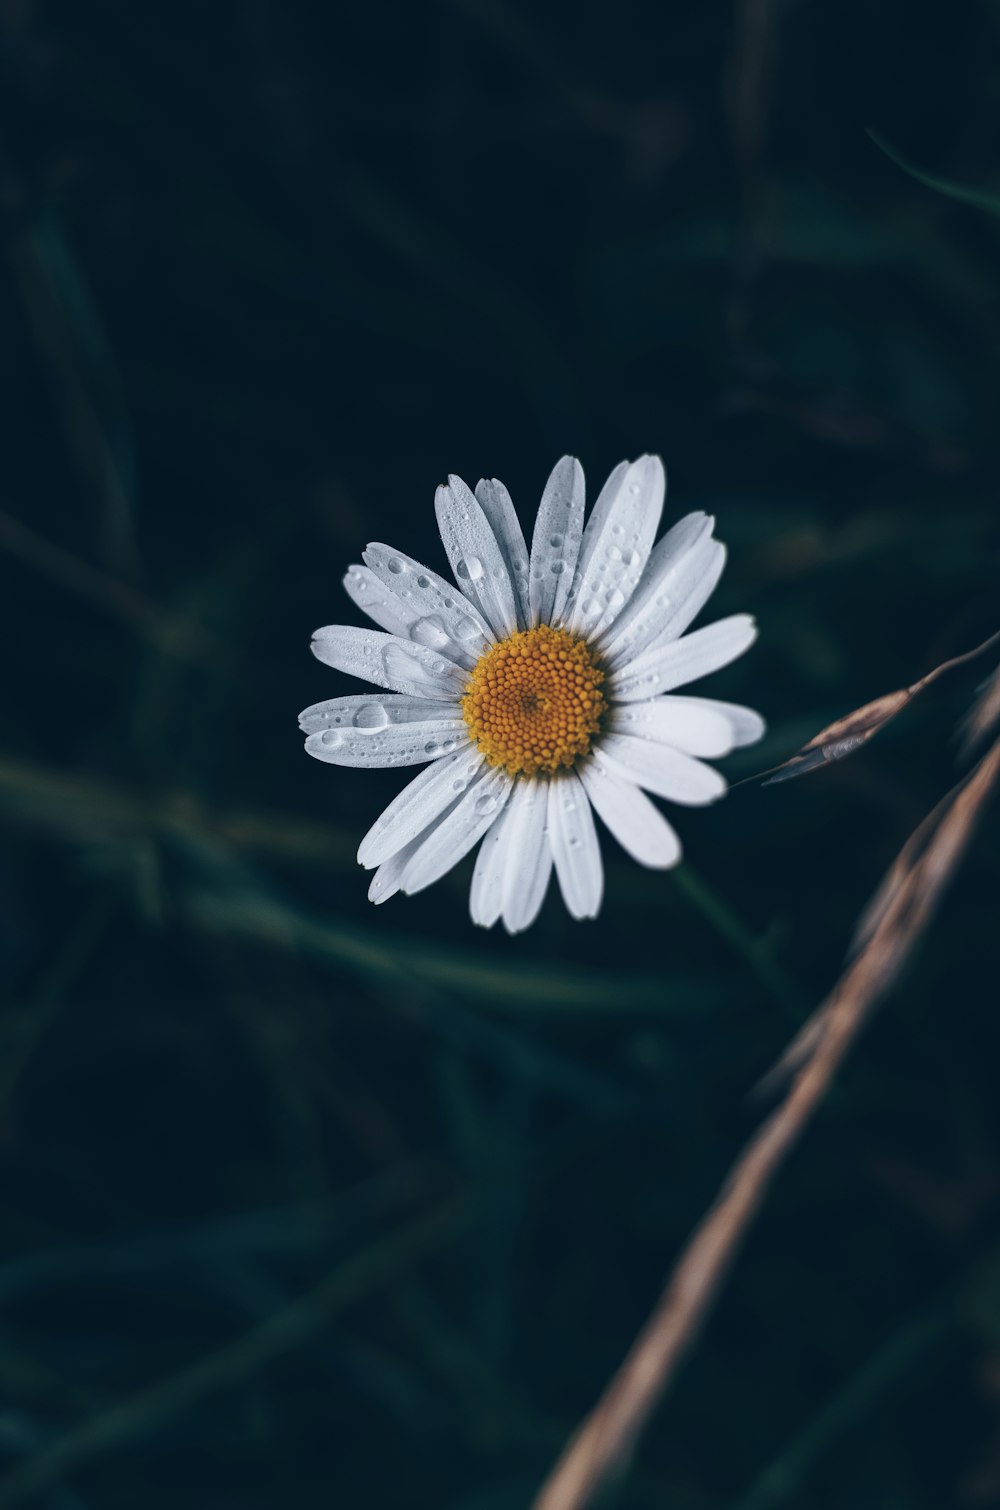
(271, 270)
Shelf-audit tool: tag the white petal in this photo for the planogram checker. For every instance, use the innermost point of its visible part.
(686, 723)
(496, 504)
(555, 544)
(746, 725)
(684, 660)
(667, 772)
(684, 609)
(385, 881)
(419, 805)
(429, 596)
(476, 558)
(373, 710)
(486, 896)
(451, 839)
(529, 855)
(402, 617)
(668, 598)
(675, 562)
(637, 824)
(388, 661)
(616, 544)
(394, 745)
(575, 849)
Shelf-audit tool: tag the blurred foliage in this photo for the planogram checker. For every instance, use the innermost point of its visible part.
(307, 1203)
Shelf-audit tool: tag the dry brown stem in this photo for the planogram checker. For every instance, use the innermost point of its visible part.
(849, 733)
(600, 1451)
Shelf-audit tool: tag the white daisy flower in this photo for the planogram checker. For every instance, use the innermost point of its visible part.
(538, 692)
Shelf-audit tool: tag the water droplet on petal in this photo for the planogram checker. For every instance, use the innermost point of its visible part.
(555, 541)
(485, 804)
(430, 632)
(401, 666)
(331, 738)
(396, 566)
(370, 716)
(557, 568)
(466, 628)
(470, 569)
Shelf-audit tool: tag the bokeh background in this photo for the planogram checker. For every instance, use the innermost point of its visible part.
(308, 1204)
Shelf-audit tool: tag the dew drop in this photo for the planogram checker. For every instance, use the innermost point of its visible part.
(370, 716)
(331, 738)
(615, 598)
(459, 786)
(396, 566)
(633, 488)
(555, 541)
(399, 665)
(485, 804)
(557, 568)
(423, 582)
(431, 747)
(470, 568)
(466, 628)
(430, 632)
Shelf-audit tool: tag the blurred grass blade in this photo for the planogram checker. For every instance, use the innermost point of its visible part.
(522, 987)
(75, 350)
(894, 1368)
(984, 717)
(279, 1333)
(981, 199)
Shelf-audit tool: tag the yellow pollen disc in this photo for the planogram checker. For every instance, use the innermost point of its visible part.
(533, 702)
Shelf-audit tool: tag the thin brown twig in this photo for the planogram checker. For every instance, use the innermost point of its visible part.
(849, 733)
(601, 1448)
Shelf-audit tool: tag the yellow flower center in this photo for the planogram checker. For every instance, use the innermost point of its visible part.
(533, 702)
